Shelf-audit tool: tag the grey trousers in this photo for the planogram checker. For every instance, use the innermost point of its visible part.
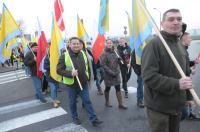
(159, 122)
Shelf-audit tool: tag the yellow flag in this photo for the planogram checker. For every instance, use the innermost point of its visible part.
(56, 40)
(6, 53)
(34, 39)
(81, 32)
(9, 30)
(8, 48)
(24, 42)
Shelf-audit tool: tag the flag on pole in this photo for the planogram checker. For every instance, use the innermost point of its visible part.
(7, 50)
(131, 36)
(34, 39)
(58, 13)
(12, 44)
(56, 40)
(24, 42)
(142, 28)
(41, 51)
(6, 53)
(103, 26)
(81, 32)
(9, 30)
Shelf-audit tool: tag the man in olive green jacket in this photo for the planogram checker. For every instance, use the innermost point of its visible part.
(164, 89)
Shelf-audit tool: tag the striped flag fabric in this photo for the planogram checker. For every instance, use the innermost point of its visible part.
(58, 8)
(41, 51)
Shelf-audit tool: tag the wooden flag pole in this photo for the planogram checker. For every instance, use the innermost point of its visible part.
(30, 49)
(196, 98)
(118, 56)
(70, 58)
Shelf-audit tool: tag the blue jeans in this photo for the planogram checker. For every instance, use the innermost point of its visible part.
(185, 112)
(54, 88)
(38, 87)
(84, 94)
(27, 71)
(140, 93)
(100, 77)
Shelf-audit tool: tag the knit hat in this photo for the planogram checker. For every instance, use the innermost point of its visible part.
(33, 45)
(184, 27)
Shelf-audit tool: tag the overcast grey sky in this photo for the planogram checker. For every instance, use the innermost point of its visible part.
(28, 10)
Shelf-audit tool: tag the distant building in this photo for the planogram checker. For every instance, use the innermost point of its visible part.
(27, 37)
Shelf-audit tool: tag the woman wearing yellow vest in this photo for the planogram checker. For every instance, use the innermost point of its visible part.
(69, 74)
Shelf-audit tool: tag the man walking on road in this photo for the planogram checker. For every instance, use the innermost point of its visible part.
(30, 61)
(81, 65)
(164, 89)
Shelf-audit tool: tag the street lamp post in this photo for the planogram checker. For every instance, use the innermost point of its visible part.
(125, 31)
(159, 16)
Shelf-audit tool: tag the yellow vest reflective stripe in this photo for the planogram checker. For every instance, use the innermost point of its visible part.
(69, 80)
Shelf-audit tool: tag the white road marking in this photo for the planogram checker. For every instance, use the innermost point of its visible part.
(31, 118)
(21, 106)
(68, 128)
(131, 89)
(12, 73)
(14, 80)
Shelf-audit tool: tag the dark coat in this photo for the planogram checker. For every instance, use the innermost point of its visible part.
(79, 64)
(161, 77)
(31, 63)
(47, 68)
(109, 62)
(136, 67)
(125, 54)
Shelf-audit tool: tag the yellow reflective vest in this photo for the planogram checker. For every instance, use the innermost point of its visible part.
(68, 64)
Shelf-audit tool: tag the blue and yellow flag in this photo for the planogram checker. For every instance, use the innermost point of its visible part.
(131, 36)
(81, 32)
(103, 27)
(9, 30)
(7, 50)
(56, 40)
(24, 42)
(6, 53)
(12, 44)
(142, 28)
(103, 17)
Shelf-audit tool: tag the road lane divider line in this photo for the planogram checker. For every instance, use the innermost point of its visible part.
(31, 119)
(71, 127)
(21, 106)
